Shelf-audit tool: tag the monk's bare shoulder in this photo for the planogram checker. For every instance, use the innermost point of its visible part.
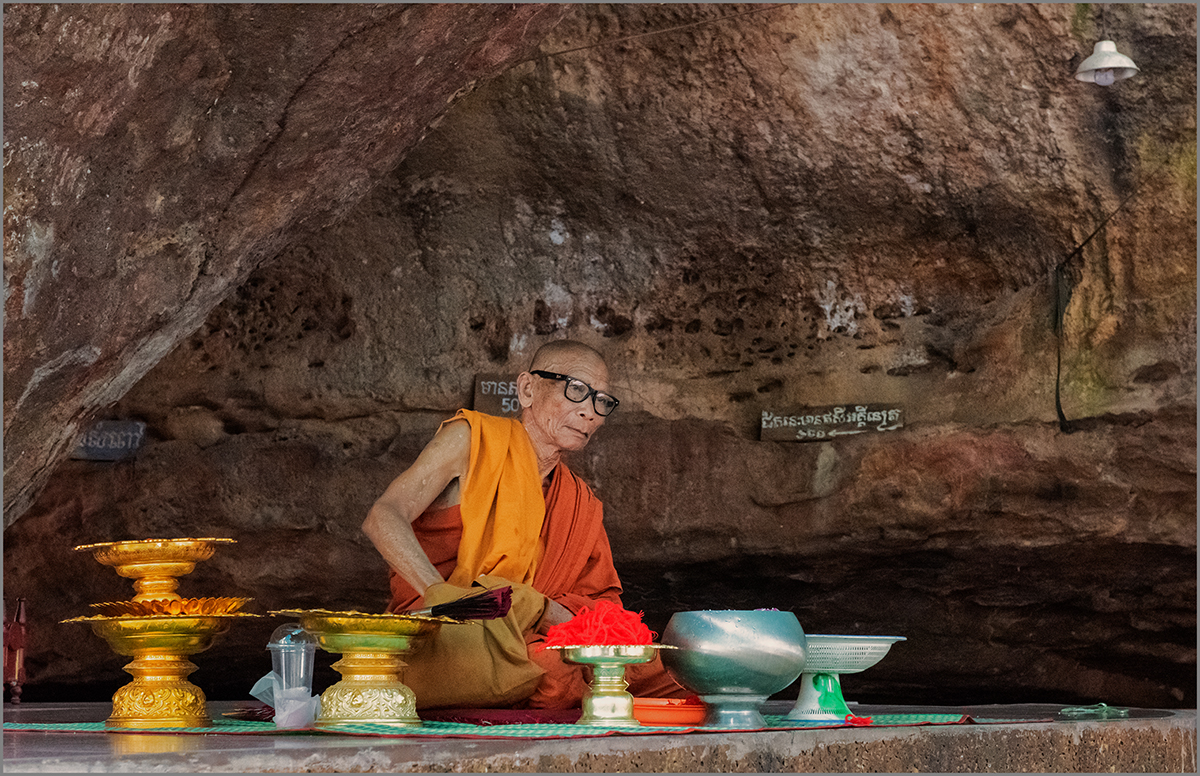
(452, 442)
(445, 461)
(432, 479)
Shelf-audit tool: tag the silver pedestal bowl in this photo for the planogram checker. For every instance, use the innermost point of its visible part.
(734, 660)
(828, 657)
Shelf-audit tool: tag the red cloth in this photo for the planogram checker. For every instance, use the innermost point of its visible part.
(576, 569)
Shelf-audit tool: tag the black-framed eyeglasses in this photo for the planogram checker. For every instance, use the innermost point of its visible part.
(578, 391)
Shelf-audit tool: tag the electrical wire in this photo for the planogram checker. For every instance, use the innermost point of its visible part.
(1062, 293)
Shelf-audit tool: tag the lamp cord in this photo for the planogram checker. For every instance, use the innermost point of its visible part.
(1062, 293)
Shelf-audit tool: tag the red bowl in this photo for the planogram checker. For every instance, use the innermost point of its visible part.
(677, 712)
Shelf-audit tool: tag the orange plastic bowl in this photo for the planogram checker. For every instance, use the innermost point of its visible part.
(678, 712)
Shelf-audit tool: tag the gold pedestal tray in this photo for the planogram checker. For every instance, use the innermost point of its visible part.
(160, 694)
(371, 646)
(605, 702)
(195, 607)
(154, 564)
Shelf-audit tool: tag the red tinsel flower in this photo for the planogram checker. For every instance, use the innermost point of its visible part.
(606, 624)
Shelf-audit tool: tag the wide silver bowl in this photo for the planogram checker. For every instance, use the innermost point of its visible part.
(734, 659)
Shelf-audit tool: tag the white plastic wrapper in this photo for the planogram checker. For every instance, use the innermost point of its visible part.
(294, 707)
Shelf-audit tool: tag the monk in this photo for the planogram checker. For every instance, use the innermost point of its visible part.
(490, 502)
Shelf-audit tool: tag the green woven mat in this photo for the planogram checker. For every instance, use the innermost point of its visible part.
(219, 726)
(465, 730)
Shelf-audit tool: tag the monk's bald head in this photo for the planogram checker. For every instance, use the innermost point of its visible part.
(554, 412)
(553, 353)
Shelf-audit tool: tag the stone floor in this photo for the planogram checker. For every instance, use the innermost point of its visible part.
(1149, 741)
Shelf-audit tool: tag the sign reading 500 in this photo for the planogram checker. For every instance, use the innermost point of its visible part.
(497, 395)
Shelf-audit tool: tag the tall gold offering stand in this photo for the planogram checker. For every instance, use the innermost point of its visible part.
(160, 630)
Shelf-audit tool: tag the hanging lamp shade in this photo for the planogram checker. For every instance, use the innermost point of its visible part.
(1106, 65)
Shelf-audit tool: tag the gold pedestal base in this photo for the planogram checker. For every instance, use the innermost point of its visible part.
(605, 702)
(370, 692)
(160, 696)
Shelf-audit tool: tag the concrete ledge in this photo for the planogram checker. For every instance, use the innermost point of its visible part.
(1151, 741)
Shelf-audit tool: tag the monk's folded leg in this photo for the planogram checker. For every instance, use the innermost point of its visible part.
(651, 680)
(561, 686)
(482, 664)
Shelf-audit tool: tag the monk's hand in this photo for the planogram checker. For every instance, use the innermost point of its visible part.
(440, 593)
(555, 614)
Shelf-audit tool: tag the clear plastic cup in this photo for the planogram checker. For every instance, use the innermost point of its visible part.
(293, 651)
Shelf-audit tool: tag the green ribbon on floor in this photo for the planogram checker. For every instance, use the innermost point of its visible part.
(1099, 711)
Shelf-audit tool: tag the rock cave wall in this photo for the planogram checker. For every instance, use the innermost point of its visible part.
(792, 207)
(155, 155)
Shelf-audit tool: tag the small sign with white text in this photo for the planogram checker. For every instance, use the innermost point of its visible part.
(110, 440)
(497, 395)
(812, 424)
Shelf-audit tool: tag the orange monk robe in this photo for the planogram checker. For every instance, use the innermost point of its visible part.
(574, 568)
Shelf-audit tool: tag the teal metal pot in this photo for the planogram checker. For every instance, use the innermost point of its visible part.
(734, 660)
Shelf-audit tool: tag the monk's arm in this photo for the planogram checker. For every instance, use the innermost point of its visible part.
(389, 522)
(555, 614)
